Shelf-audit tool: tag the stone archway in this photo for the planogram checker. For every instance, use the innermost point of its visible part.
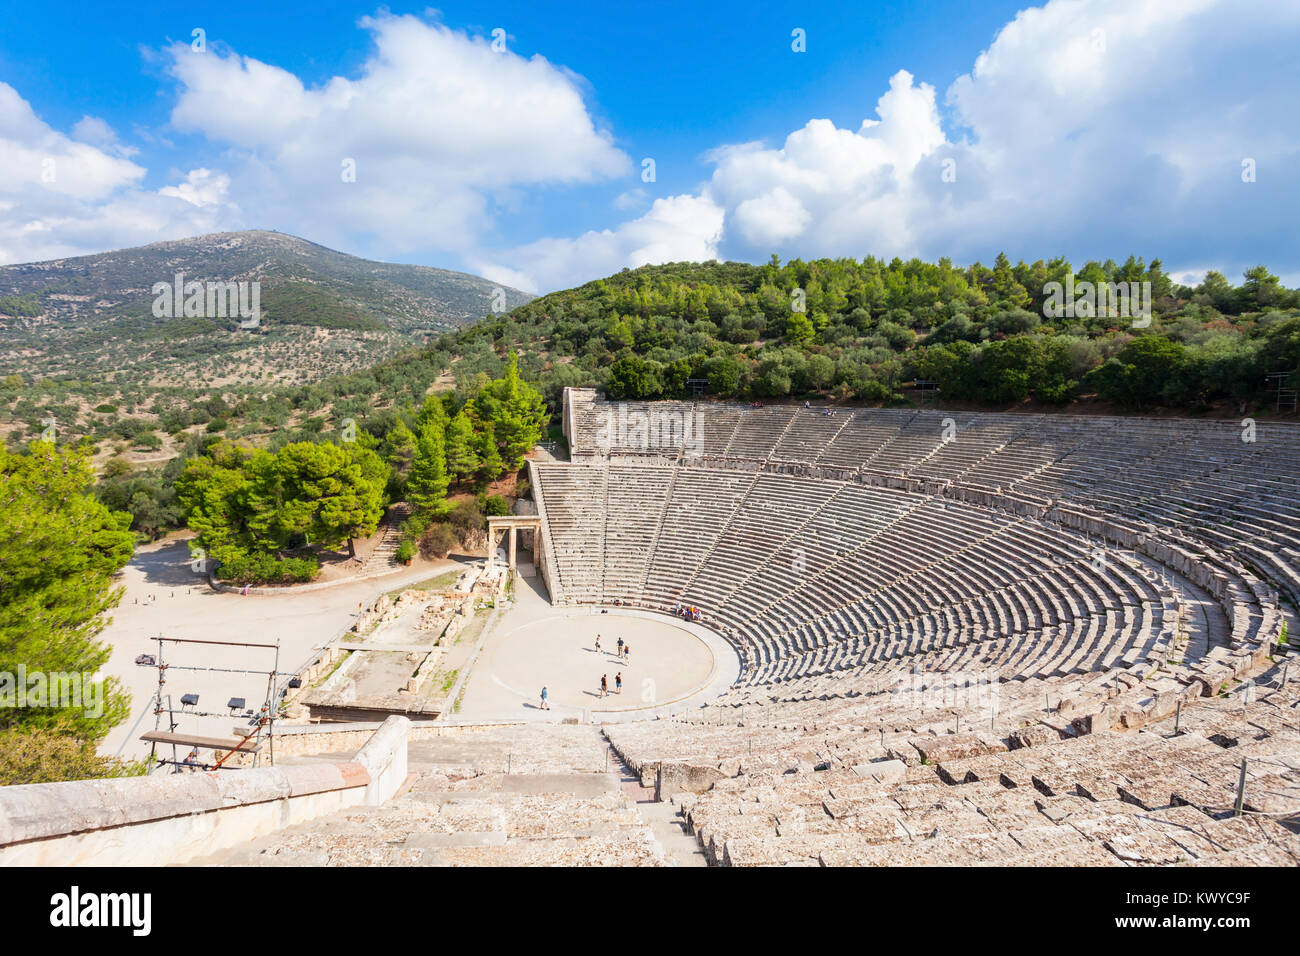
(512, 525)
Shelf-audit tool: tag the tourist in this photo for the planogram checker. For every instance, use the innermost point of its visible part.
(604, 685)
(597, 643)
(627, 652)
(618, 683)
(545, 705)
(620, 647)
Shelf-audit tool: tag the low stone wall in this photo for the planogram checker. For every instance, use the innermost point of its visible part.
(173, 818)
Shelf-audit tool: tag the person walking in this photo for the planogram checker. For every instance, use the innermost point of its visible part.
(627, 653)
(618, 683)
(544, 704)
(620, 647)
(604, 685)
(597, 643)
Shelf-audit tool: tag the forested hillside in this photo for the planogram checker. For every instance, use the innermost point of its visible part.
(864, 330)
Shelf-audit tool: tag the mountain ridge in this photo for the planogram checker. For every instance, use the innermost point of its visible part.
(80, 316)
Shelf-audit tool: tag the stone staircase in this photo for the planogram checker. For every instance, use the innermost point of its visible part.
(519, 795)
(382, 558)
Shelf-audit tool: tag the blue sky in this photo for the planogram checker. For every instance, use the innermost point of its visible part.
(1089, 128)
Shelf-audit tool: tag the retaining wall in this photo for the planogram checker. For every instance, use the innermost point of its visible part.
(172, 818)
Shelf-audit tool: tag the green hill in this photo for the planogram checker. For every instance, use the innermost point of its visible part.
(90, 318)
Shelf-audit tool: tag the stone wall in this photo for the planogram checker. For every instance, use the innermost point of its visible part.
(172, 818)
(542, 554)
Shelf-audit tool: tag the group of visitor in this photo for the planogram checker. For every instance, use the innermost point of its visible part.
(688, 612)
(828, 412)
(604, 684)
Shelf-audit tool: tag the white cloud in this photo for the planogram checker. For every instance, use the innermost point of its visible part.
(93, 130)
(1090, 128)
(61, 197)
(772, 217)
(835, 182)
(631, 199)
(437, 127)
(202, 187)
(34, 155)
(675, 229)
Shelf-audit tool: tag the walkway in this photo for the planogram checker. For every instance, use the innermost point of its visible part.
(184, 606)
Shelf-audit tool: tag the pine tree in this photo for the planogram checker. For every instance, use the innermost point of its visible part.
(463, 460)
(516, 412)
(59, 550)
(399, 448)
(426, 488)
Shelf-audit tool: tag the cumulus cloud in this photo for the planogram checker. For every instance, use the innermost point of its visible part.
(675, 229)
(1090, 128)
(67, 195)
(202, 187)
(435, 129)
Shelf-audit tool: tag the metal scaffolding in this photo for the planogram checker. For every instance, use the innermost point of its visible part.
(261, 723)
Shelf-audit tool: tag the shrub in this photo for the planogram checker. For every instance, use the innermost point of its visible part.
(405, 550)
(438, 541)
(50, 754)
(466, 516)
(267, 569)
(116, 467)
(495, 506)
(414, 526)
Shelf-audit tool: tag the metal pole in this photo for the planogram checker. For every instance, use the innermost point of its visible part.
(1241, 789)
(1178, 716)
(270, 740)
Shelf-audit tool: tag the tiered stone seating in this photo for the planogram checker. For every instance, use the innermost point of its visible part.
(486, 796)
(759, 432)
(635, 514)
(869, 563)
(884, 781)
(575, 529)
(810, 575)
